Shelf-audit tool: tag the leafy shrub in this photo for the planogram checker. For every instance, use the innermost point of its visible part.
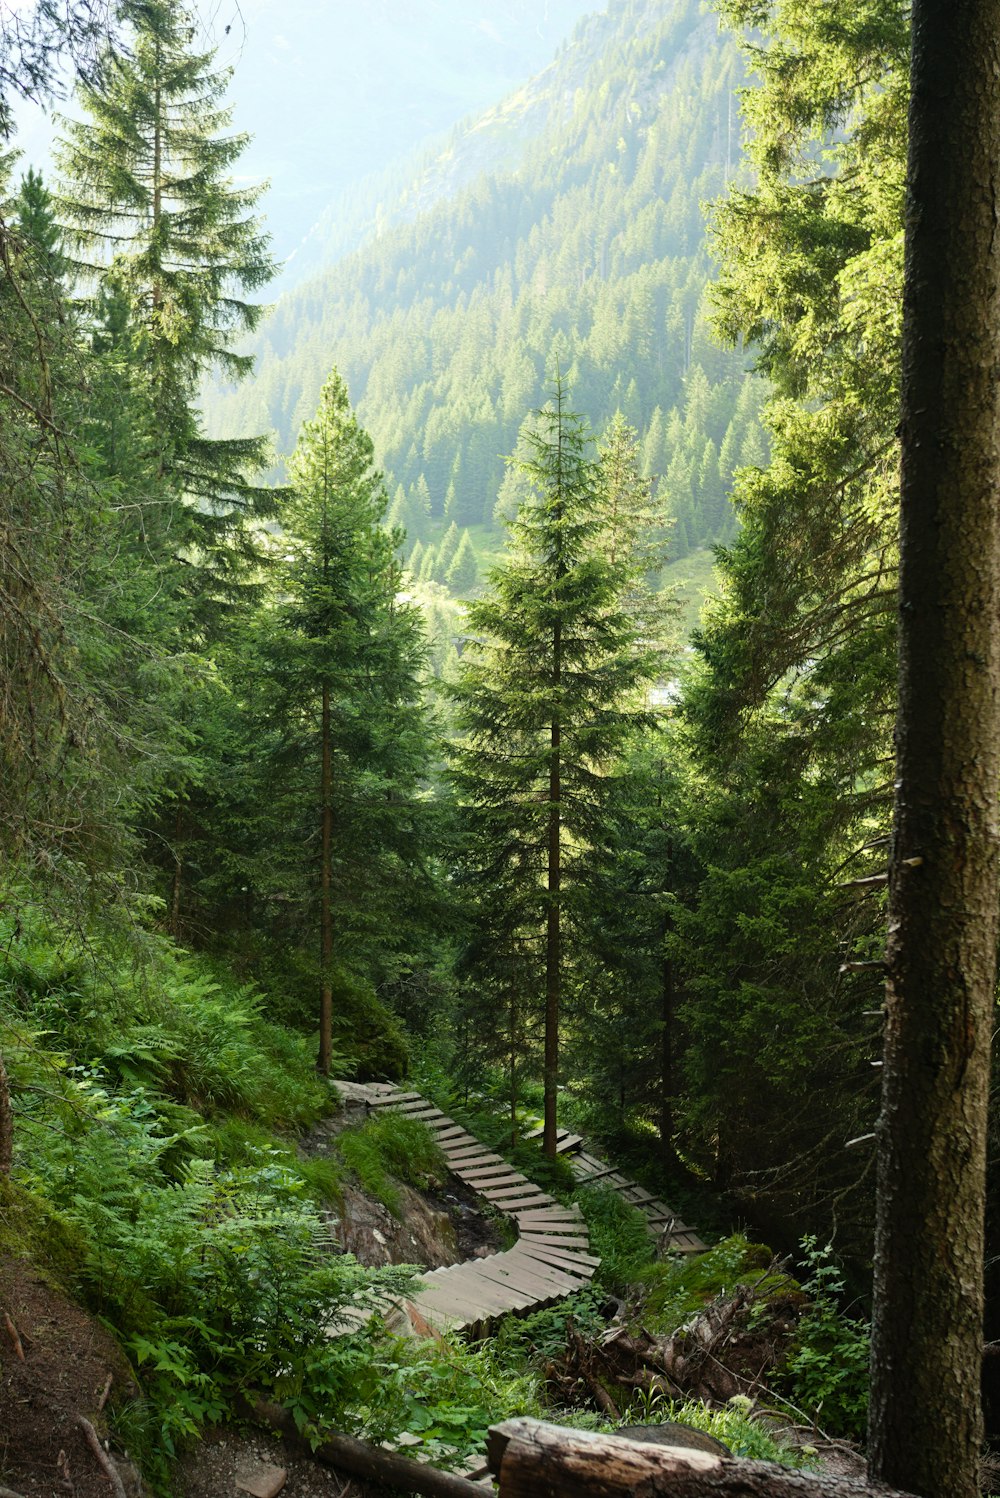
(155, 1018)
(826, 1373)
(146, 1085)
(390, 1147)
(220, 1280)
(538, 1339)
(239, 1141)
(447, 1394)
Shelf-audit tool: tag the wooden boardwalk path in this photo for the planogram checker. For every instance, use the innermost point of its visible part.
(674, 1235)
(550, 1260)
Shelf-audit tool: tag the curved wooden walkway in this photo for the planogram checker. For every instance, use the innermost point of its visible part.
(550, 1260)
(664, 1223)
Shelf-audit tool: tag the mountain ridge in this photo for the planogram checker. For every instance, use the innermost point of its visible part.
(586, 248)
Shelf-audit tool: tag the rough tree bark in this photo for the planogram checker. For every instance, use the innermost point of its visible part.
(927, 1339)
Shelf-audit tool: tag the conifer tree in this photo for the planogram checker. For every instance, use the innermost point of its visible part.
(149, 205)
(37, 225)
(339, 704)
(447, 548)
(546, 702)
(463, 574)
(79, 749)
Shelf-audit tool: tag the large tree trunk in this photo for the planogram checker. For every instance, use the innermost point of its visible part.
(927, 1341)
(326, 905)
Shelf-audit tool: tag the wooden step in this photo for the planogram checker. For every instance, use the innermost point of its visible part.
(541, 1282)
(569, 1144)
(587, 1177)
(554, 1253)
(550, 1240)
(492, 1175)
(552, 1214)
(566, 1142)
(446, 1313)
(516, 1191)
(558, 1251)
(461, 1155)
(556, 1226)
(579, 1265)
(513, 1200)
(473, 1300)
(636, 1197)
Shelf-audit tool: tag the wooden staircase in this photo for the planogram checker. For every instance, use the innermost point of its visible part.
(551, 1258)
(675, 1236)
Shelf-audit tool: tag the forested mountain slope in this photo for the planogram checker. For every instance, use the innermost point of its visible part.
(581, 242)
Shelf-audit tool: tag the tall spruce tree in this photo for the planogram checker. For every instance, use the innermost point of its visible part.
(78, 749)
(152, 211)
(790, 700)
(334, 684)
(547, 697)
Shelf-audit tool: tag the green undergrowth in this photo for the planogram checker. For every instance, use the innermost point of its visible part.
(824, 1375)
(391, 1148)
(30, 1228)
(447, 1394)
(738, 1424)
(826, 1371)
(156, 1177)
(619, 1236)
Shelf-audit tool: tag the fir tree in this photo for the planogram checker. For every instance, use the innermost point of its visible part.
(447, 548)
(37, 226)
(463, 574)
(149, 205)
(341, 709)
(546, 701)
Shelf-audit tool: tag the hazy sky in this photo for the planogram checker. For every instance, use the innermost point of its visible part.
(332, 90)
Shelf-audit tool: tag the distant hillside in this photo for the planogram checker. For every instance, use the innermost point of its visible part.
(565, 226)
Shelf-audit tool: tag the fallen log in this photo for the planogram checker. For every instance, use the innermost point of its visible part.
(534, 1460)
(362, 1460)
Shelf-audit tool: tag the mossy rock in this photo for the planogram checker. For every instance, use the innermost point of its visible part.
(672, 1433)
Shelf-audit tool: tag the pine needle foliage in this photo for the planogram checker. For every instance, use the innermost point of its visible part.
(550, 690)
(152, 213)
